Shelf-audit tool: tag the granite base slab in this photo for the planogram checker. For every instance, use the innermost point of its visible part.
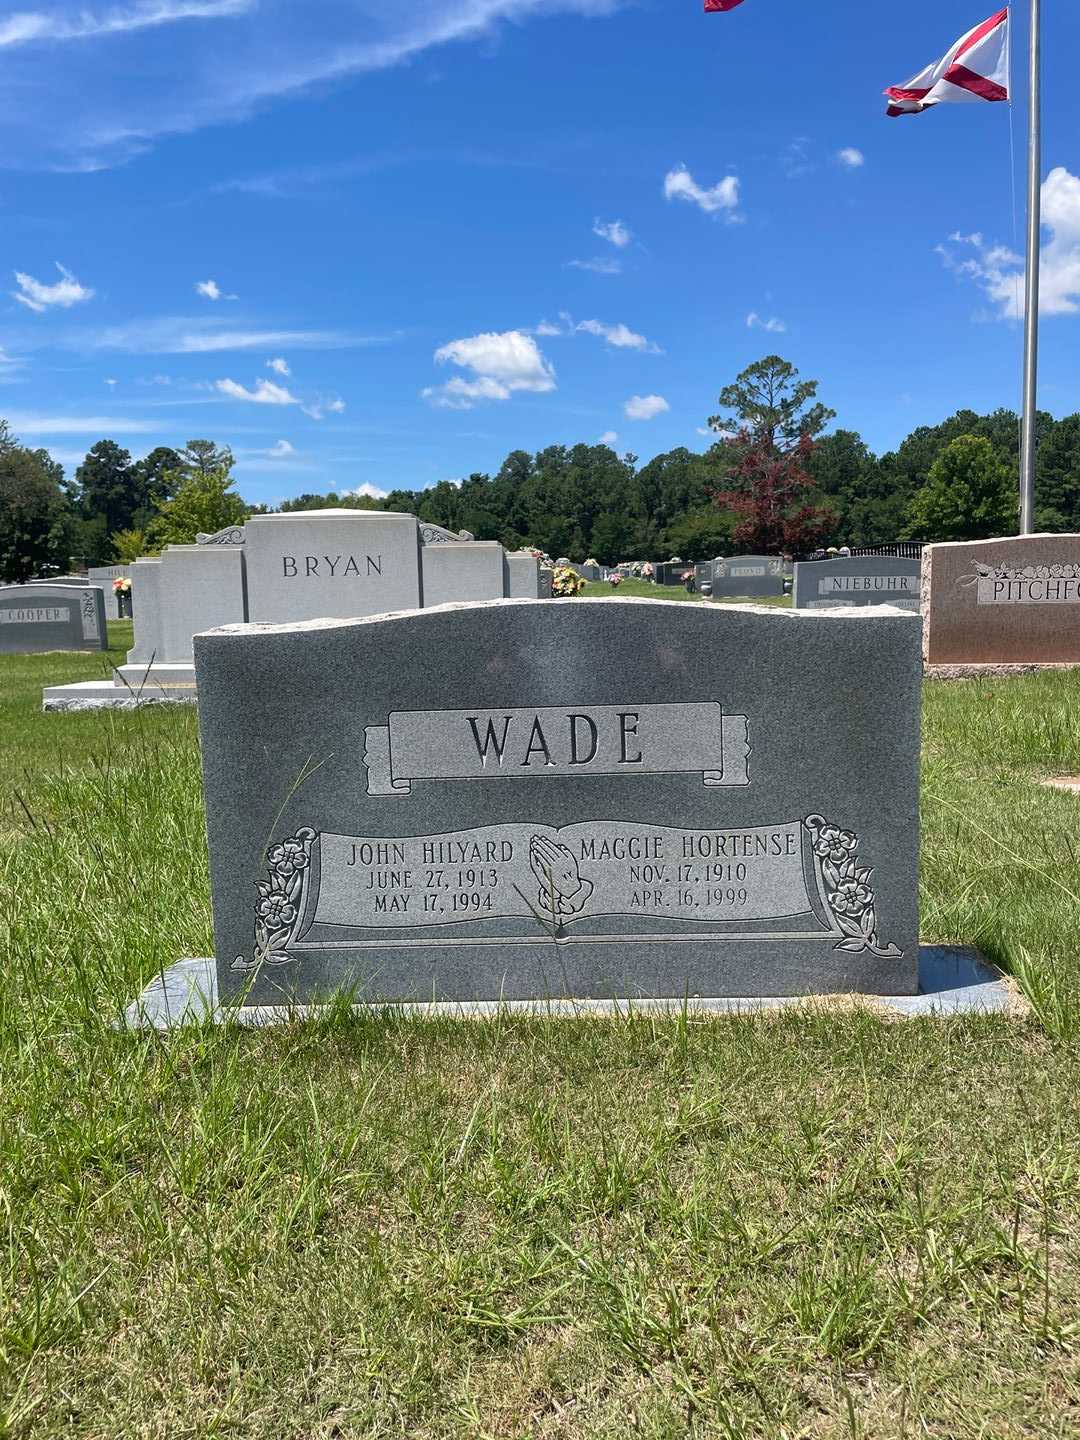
(953, 980)
(165, 676)
(993, 672)
(104, 695)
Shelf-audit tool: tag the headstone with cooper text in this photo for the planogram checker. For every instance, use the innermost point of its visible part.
(1003, 602)
(600, 798)
(40, 617)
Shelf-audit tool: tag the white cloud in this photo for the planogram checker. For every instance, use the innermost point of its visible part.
(38, 297)
(851, 158)
(80, 425)
(546, 328)
(281, 450)
(320, 408)
(264, 393)
(620, 336)
(68, 119)
(679, 184)
(459, 394)
(111, 384)
(371, 492)
(141, 15)
(614, 231)
(756, 322)
(599, 266)
(1000, 272)
(211, 290)
(645, 407)
(796, 160)
(609, 437)
(279, 367)
(207, 334)
(502, 363)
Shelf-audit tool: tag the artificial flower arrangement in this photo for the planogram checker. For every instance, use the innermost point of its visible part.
(615, 579)
(121, 585)
(566, 582)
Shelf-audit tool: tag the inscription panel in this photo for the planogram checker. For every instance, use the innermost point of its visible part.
(590, 880)
(1028, 585)
(550, 742)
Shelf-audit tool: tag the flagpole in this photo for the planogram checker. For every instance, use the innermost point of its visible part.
(1034, 252)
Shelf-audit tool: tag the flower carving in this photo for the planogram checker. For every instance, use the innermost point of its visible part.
(832, 843)
(1002, 571)
(851, 898)
(276, 911)
(279, 906)
(846, 887)
(288, 857)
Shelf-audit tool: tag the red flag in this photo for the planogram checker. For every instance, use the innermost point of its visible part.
(716, 6)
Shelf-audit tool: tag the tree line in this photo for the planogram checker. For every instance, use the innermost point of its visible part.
(774, 479)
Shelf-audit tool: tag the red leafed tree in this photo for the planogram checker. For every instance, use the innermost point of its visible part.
(765, 448)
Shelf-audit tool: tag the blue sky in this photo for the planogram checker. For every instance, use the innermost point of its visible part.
(428, 234)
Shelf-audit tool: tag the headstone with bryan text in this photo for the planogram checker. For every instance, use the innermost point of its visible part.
(313, 564)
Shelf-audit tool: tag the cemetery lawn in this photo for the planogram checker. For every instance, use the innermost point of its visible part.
(27, 745)
(821, 1223)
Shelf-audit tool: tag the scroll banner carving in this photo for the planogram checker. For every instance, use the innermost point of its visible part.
(511, 884)
(527, 744)
(231, 535)
(438, 535)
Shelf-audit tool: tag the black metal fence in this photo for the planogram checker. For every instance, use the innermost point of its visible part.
(898, 550)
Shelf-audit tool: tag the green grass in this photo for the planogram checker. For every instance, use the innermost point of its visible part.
(819, 1224)
(648, 591)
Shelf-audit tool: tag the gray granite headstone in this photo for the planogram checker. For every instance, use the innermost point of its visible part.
(547, 577)
(146, 601)
(672, 572)
(522, 575)
(186, 589)
(465, 570)
(462, 803)
(201, 586)
(104, 575)
(756, 576)
(861, 580)
(40, 617)
(309, 565)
